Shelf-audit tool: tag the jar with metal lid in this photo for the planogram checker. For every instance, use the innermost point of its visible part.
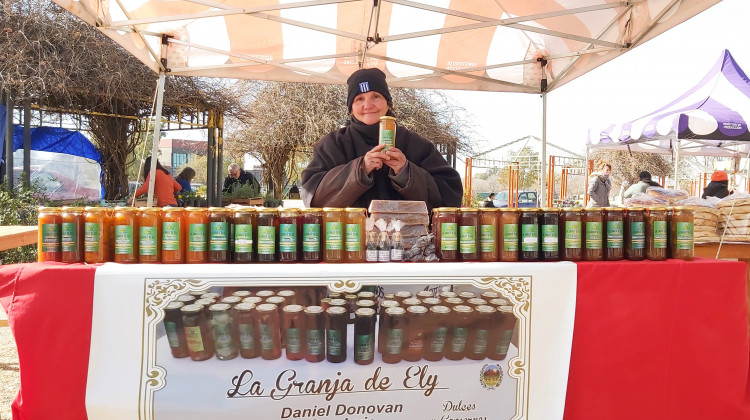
(570, 233)
(96, 235)
(488, 243)
(656, 233)
(336, 326)
(49, 234)
(173, 233)
(218, 234)
(529, 234)
(437, 332)
(594, 237)
(289, 234)
(125, 235)
(232, 300)
(468, 234)
(268, 227)
(635, 245)
(504, 323)
(452, 302)
(175, 330)
(290, 296)
(71, 235)
(315, 330)
(354, 243)
(197, 334)
(364, 336)
(458, 333)
(333, 235)
(478, 339)
(467, 295)
(149, 235)
(293, 330)
(681, 230)
(508, 234)
(402, 295)
(312, 219)
(614, 234)
(196, 219)
(549, 232)
(391, 340)
(445, 229)
(269, 331)
(244, 226)
(474, 302)
(430, 302)
(246, 332)
(221, 327)
(387, 132)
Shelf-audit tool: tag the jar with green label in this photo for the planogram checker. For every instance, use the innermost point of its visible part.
(681, 229)
(293, 330)
(71, 235)
(268, 228)
(468, 234)
(244, 229)
(96, 235)
(593, 230)
(549, 232)
(571, 227)
(529, 240)
(218, 234)
(175, 330)
(315, 334)
(354, 231)
(246, 333)
(197, 235)
(635, 244)
(364, 336)
(461, 320)
(149, 235)
(656, 234)
(488, 243)
(333, 235)
(221, 329)
(508, 234)
(49, 234)
(312, 219)
(125, 235)
(289, 234)
(445, 229)
(200, 344)
(614, 238)
(173, 232)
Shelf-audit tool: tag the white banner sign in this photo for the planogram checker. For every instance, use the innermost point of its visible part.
(493, 371)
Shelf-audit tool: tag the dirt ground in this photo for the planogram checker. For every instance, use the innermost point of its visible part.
(9, 375)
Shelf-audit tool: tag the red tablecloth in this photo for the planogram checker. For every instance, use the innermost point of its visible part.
(652, 340)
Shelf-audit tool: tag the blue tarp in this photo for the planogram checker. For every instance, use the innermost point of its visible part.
(57, 140)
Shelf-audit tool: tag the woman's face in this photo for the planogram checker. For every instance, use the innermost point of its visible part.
(368, 107)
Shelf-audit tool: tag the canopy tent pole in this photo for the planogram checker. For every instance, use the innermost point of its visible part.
(27, 143)
(156, 137)
(676, 164)
(542, 176)
(9, 139)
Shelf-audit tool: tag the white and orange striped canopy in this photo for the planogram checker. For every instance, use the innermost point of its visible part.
(491, 45)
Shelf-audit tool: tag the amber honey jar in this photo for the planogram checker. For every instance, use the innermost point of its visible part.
(173, 235)
(49, 236)
(96, 235)
(246, 333)
(196, 219)
(593, 226)
(479, 335)
(614, 234)
(293, 330)
(268, 227)
(364, 336)
(354, 231)
(635, 244)
(445, 229)
(656, 234)
(269, 331)
(415, 333)
(125, 222)
(244, 224)
(501, 333)
(289, 235)
(149, 235)
(315, 334)
(508, 234)
(570, 233)
(175, 329)
(468, 234)
(681, 229)
(218, 234)
(197, 333)
(529, 240)
(333, 235)
(312, 219)
(336, 326)
(387, 132)
(437, 332)
(391, 339)
(71, 236)
(458, 333)
(488, 244)
(549, 234)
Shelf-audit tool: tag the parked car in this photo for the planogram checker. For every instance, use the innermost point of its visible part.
(525, 199)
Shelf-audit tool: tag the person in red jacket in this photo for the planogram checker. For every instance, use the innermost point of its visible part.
(164, 185)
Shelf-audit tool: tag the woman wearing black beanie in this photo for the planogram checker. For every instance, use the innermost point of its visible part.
(349, 168)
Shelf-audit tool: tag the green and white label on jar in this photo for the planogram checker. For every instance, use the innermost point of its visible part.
(386, 137)
(684, 235)
(637, 235)
(572, 234)
(314, 342)
(394, 343)
(247, 336)
(660, 234)
(293, 340)
(266, 240)
(438, 339)
(147, 239)
(353, 237)
(69, 237)
(311, 237)
(334, 342)
(266, 336)
(287, 237)
(487, 238)
(123, 239)
(458, 341)
(549, 238)
(50, 237)
(194, 339)
(594, 238)
(197, 237)
(219, 236)
(530, 237)
(334, 236)
(510, 237)
(170, 236)
(91, 237)
(467, 239)
(172, 337)
(479, 346)
(363, 348)
(448, 236)
(243, 238)
(614, 234)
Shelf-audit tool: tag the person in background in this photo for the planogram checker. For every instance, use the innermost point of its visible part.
(488, 201)
(599, 186)
(238, 176)
(640, 186)
(350, 169)
(185, 177)
(719, 185)
(164, 185)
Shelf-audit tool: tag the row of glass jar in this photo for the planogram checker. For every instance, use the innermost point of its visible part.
(199, 235)
(405, 330)
(570, 234)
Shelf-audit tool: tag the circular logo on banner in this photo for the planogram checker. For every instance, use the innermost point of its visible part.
(491, 376)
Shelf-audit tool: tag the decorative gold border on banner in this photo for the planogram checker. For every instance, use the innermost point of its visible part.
(158, 292)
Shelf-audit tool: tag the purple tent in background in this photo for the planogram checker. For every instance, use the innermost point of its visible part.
(710, 117)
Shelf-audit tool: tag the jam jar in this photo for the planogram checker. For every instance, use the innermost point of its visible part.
(656, 234)
(333, 234)
(614, 239)
(468, 238)
(488, 226)
(289, 234)
(570, 233)
(593, 226)
(268, 226)
(529, 240)
(549, 227)
(635, 244)
(49, 234)
(312, 219)
(445, 229)
(681, 229)
(508, 234)
(244, 224)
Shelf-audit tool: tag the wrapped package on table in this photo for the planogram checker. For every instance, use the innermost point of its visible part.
(734, 217)
(412, 215)
(705, 218)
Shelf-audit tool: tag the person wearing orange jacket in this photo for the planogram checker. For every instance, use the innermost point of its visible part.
(164, 185)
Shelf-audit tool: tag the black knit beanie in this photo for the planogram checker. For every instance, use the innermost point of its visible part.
(365, 80)
(644, 175)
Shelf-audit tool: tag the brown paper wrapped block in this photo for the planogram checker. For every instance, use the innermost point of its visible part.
(397, 206)
(405, 218)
